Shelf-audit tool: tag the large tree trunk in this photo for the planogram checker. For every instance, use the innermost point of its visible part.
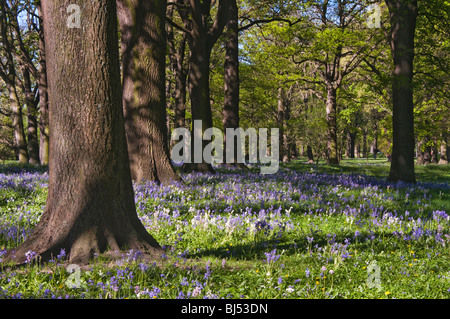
(144, 98)
(403, 14)
(332, 145)
(90, 205)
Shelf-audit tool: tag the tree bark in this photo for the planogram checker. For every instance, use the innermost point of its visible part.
(230, 113)
(177, 58)
(19, 131)
(280, 123)
(403, 14)
(202, 37)
(32, 130)
(90, 205)
(332, 145)
(43, 95)
(310, 155)
(144, 97)
(351, 144)
(444, 146)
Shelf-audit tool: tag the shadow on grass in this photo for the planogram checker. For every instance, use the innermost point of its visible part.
(365, 241)
(16, 168)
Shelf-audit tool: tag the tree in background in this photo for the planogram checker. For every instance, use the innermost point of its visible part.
(403, 15)
(9, 74)
(142, 25)
(203, 32)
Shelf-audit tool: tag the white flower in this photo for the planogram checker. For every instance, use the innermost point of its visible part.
(196, 291)
(290, 289)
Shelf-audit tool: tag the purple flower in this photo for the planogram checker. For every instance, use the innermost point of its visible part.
(272, 257)
(62, 254)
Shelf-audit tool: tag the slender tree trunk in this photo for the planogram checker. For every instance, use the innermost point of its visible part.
(375, 145)
(230, 113)
(199, 92)
(310, 155)
(434, 152)
(180, 86)
(32, 130)
(19, 132)
(332, 145)
(43, 96)
(444, 146)
(403, 14)
(280, 123)
(90, 205)
(420, 153)
(351, 146)
(144, 98)
(180, 72)
(203, 34)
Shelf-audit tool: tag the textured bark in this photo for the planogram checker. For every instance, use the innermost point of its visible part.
(351, 144)
(144, 97)
(90, 205)
(230, 113)
(32, 130)
(403, 14)
(43, 95)
(180, 72)
(19, 131)
(444, 146)
(309, 154)
(280, 123)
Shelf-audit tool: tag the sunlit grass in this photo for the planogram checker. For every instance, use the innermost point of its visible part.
(309, 231)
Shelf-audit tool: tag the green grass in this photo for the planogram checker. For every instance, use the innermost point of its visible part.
(323, 234)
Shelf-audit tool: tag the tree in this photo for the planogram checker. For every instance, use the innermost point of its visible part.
(230, 113)
(258, 13)
(177, 54)
(336, 42)
(43, 94)
(403, 14)
(203, 32)
(8, 73)
(90, 205)
(142, 25)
